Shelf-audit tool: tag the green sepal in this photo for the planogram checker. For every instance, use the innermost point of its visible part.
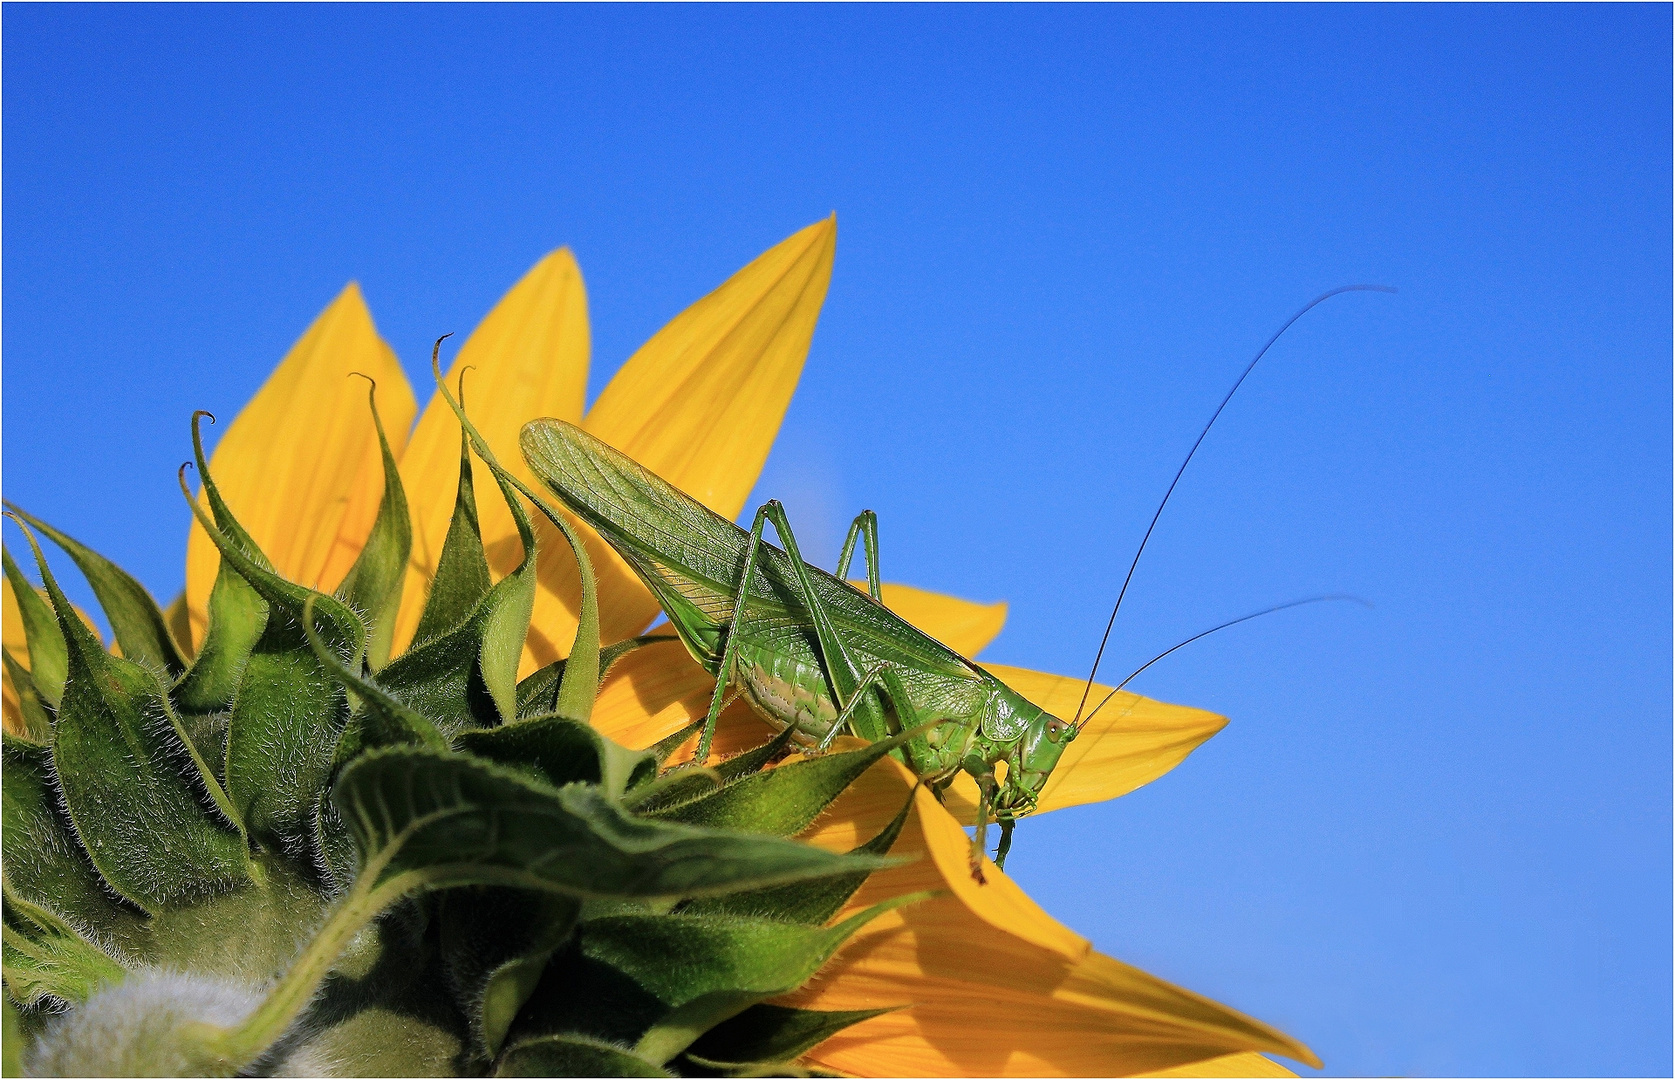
(770, 1034)
(754, 761)
(808, 902)
(561, 751)
(237, 618)
(374, 583)
(579, 683)
(136, 621)
(783, 801)
(43, 957)
(37, 721)
(663, 749)
(425, 820)
(495, 944)
(381, 720)
(706, 969)
(289, 711)
(44, 861)
(573, 1055)
(468, 676)
(146, 808)
(538, 691)
(48, 657)
(462, 572)
(674, 787)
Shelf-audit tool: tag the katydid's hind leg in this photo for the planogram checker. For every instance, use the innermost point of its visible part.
(839, 666)
(719, 699)
(883, 676)
(865, 526)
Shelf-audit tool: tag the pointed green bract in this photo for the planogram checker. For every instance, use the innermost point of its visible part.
(782, 801)
(37, 721)
(237, 617)
(374, 583)
(147, 810)
(136, 620)
(467, 677)
(289, 709)
(48, 658)
(44, 861)
(45, 958)
(462, 571)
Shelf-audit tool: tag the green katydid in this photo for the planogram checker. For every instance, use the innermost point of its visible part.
(806, 649)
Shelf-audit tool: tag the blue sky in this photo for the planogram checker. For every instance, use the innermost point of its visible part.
(1435, 837)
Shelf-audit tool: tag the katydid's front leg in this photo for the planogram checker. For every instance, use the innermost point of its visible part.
(984, 774)
(865, 526)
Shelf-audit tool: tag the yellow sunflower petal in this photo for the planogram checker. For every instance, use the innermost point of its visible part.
(700, 403)
(656, 690)
(1129, 743)
(995, 986)
(1246, 1064)
(528, 358)
(962, 625)
(300, 466)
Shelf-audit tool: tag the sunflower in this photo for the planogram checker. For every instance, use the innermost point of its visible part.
(981, 980)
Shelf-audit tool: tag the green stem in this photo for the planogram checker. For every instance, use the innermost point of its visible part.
(240, 1046)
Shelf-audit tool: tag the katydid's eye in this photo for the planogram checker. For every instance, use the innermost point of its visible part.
(1055, 729)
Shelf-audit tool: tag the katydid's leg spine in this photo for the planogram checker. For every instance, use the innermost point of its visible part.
(865, 526)
(731, 650)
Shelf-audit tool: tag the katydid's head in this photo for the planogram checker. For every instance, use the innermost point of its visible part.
(1028, 767)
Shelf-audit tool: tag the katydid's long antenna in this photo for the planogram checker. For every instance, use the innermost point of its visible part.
(1213, 629)
(1304, 310)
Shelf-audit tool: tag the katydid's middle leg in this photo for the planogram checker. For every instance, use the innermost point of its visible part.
(719, 699)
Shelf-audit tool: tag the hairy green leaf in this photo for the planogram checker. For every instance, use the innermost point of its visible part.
(782, 801)
(809, 902)
(562, 751)
(135, 619)
(773, 1033)
(374, 583)
(705, 969)
(427, 820)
